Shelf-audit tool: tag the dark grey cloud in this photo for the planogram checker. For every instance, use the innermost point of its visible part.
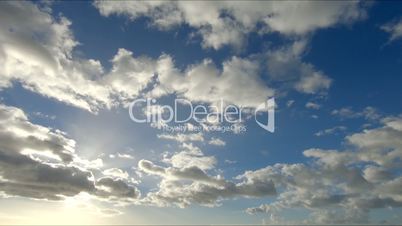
(115, 188)
(37, 162)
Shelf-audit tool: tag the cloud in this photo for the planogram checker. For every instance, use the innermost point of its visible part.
(190, 156)
(39, 162)
(206, 83)
(381, 145)
(333, 130)
(116, 173)
(19, 135)
(312, 105)
(394, 28)
(227, 161)
(41, 181)
(285, 65)
(38, 54)
(217, 142)
(189, 173)
(121, 155)
(24, 175)
(183, 186)
(47, 65)
(341, 186)
(130, 75)
(125, 156)
(186, 180)
(187, 159)
(229, 23)
(369, 113)
(116, 189)
(43, 116)
(182, 137)
(313, 83)
(289, 103)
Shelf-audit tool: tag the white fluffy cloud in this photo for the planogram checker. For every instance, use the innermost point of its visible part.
(224, 23)
(311, 84)
(38, 53)
(130, 74)
(190, 156)
(205, 82)
(221, 23)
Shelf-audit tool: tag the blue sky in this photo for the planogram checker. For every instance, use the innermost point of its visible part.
(69, 146)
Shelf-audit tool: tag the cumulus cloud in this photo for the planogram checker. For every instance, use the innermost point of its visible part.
(228, 23)
(190, 173)
(187, 180)
(224, 23)
(183, 186)
(129, 74)
(189, 156)
(39, 53)
(343, 183)
(39, 162)
(206, 83)
(285, 65)
(187, 159)
(116, 190)
(381, 145)
(18, 135)
(341, 186)
(311, 84)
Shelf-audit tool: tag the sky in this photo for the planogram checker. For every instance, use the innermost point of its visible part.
(318, 85)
